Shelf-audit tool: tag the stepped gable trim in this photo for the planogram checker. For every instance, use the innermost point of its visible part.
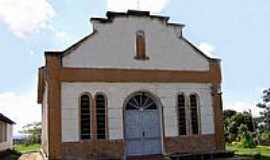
(111, 15)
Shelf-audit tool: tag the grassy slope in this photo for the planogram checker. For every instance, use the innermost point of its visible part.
(264, 151)
(21, 148)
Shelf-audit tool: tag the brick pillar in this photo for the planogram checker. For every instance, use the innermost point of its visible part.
(53, 67)
(218, 118)
(217, 105)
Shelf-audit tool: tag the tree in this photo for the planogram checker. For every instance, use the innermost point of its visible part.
(228, 113)
(265, 105)
(246, 139)
(32, 132)
(232, 121)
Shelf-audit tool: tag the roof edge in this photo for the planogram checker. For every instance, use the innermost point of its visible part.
(211, 59)
(6, 119)
(72, 47)
(110, 15)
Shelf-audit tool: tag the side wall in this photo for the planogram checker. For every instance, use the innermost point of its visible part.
(118, 92)
(44, 135)
(8, 144)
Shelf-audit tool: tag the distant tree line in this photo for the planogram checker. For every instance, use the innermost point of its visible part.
(246, 130)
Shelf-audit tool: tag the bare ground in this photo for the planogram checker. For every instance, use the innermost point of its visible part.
(31, 156)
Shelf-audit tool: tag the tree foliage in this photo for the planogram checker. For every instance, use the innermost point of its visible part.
(246, 139)
(33, 132)
(265, 105)
(232, 122)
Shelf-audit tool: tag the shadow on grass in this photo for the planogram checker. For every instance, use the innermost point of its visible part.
(10, 155)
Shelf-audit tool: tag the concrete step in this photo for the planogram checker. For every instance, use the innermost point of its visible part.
(147, 157)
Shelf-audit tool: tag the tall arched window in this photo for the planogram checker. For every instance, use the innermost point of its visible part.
(85, 117)
(140, 46)
(194, 114)
(181, 114)
(101, 116)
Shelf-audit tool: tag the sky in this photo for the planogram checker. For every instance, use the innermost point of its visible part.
(236, 31)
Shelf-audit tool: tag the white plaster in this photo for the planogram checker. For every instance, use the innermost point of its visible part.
(44, 133)
(115, 123)
(115, 134)
(117, 94)
(113, 46)
(170, 131)
(115, 113)
(8, 144)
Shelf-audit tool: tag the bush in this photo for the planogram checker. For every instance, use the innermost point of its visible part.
(264, 138)
(246, 139)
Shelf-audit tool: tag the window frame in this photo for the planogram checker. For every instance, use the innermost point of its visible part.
(105, 115)
(198, 107)
(140, 50)
(186, 114)
(90, 118)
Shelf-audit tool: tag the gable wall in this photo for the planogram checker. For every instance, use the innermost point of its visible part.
(113, 46)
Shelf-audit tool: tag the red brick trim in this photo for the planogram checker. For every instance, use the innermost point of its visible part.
(190, 144)
(94, 149)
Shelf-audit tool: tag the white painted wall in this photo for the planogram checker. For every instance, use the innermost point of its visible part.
(118, 92)
(113, 46)
(44, 134)
(9, 143)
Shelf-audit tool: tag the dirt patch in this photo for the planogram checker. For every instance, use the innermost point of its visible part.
(31, 156)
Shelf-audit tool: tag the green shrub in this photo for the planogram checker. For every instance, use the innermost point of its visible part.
(246, 139)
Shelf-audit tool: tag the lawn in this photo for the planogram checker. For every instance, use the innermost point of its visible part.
(260, 151)
(22, 148)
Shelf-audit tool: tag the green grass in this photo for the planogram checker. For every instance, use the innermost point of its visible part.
(263, 151)
(22, 148)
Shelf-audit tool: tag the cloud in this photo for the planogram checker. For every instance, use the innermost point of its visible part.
(244, 106)
(22, 109)
(23, 17)
(208, 49)
(61, 36)
(154, 6)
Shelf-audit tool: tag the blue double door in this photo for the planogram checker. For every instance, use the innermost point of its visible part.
(142, 131)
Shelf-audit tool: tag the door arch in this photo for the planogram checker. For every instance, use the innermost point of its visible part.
(142, 124)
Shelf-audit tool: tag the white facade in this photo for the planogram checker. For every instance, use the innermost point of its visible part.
(164, 47)
(117, 94)
(6, 140)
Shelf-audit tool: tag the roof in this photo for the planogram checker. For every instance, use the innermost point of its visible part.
(5, 119)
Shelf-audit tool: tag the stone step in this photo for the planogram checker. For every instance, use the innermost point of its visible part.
(147, 157)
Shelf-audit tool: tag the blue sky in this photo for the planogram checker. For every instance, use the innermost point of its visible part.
(237, 31)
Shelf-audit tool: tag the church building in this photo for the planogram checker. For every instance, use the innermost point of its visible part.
(133, 87)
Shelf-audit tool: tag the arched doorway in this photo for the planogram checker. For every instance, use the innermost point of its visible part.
(142, 124)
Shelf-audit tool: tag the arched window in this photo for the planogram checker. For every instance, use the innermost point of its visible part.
(141, 101)
(101, 116)
(194, 114)
(85, 117)
(140, 46)
(181, 114)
